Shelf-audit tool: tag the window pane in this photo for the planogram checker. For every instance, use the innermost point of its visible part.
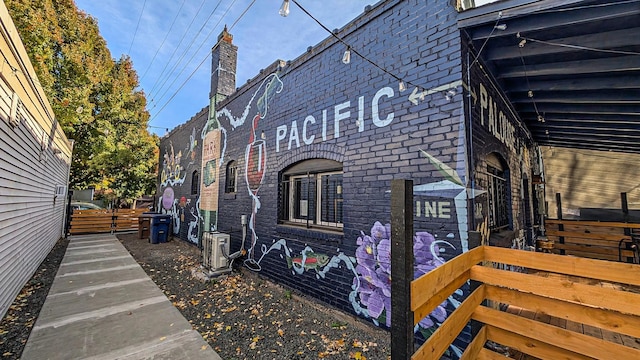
(498, 198)
(331, 198)
(303, 198)
(231, 177)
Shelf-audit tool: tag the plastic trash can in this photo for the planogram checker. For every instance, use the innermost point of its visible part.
(159, 228)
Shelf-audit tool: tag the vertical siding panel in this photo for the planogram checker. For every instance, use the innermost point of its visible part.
(31, 217)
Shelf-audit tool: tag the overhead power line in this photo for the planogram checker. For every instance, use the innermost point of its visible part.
(204, 41)
(163, 40)
(175, 49)
(185, 52)
(200, 64)
(137, 26)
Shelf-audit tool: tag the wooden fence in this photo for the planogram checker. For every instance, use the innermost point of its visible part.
(572, 288)
(603, 240)
(100, 221)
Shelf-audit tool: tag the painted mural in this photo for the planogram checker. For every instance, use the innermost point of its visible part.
(174, 199)
(256, 152)
(370, 294)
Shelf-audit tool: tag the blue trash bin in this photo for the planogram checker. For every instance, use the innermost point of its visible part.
(159, 228)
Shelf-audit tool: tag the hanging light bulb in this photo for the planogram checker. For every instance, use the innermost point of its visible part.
(346, 58)
(401, 86)
(522, 43)
(284, 9)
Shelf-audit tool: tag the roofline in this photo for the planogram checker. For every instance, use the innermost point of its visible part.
(507, 9)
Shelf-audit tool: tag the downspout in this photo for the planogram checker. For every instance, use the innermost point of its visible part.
(471, 168)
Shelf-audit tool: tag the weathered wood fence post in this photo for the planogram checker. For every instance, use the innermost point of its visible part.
(401, 269)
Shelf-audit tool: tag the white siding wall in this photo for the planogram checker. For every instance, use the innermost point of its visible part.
(590, 179)
(34, 158)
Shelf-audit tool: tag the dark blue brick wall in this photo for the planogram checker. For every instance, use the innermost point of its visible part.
(180, 156)
(416, 40)
(519, 157)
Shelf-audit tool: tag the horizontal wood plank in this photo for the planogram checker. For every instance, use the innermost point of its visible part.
(593, 223)
(561, 338)
(608, 251)
(431, 283)
(449, 330)
(486, 354)
(588, 268)
(591, 255)
(531, 346)
(593, 236)
(605, 319)
(560, 289)
(593, 242)
(437, 299)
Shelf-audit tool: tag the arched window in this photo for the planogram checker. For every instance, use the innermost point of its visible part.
(195, 182)
(232, 177)
(311, 194)
(498, 191)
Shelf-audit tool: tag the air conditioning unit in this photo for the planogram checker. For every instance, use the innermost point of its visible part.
(213, 245)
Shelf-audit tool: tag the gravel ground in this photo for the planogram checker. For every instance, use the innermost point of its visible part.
(17, 323)
(242, 315)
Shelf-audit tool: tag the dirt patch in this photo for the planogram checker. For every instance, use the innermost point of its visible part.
(17, 323)
(244, 316)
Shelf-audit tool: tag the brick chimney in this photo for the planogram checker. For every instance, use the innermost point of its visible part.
(224, 58)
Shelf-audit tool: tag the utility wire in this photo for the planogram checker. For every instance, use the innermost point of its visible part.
(163, 40)
(351, 47)
(184, 53)
(578, 47)
(355, 51)
(176, 48)
(204, 41)
(137, 26)
(198, 67)
(486, 40)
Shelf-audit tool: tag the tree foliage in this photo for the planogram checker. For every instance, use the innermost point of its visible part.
(94, 97)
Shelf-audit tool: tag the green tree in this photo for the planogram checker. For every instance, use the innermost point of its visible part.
(95, 98)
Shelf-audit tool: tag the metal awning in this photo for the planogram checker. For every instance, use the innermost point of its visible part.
(571, 68)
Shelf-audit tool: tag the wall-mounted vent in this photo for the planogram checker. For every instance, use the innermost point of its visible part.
(61, 190)
(212, 250)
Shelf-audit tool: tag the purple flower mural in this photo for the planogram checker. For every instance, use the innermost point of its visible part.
(373, 280)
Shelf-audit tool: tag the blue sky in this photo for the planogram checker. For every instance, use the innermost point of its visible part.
(262, 36)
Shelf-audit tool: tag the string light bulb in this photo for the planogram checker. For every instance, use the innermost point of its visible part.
(501, 27)
(346, 58)
(284, 9)
(401, 86)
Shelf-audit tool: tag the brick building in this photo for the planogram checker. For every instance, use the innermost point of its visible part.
(308, 148)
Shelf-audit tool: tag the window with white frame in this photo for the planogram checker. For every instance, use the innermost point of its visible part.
(311, 194)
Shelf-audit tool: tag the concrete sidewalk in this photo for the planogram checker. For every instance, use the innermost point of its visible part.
(102, 305)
